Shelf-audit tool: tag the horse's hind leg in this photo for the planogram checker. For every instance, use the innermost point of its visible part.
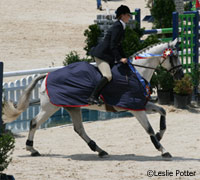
(142, 118)
(76, 116)
(150, 107)
(46, 111)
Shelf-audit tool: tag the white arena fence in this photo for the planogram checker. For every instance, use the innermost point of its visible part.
(13, 90)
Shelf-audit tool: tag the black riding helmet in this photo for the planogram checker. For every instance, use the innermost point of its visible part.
(122, 10)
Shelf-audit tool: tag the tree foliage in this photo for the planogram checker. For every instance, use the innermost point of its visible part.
(92, 35)
(162, 80)
(73, 57)
(162, 11)
(131, 44)
(7, 142)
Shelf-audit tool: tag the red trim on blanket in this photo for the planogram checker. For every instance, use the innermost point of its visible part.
(46, 86)
(70, 105)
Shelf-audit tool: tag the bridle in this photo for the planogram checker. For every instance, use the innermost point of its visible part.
(172, 70)
(165, 56)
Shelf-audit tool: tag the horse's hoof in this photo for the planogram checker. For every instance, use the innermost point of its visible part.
(103, 154)
(35, 154)
(167, 156)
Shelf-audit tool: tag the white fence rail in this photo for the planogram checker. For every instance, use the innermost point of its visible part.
(33, 71)
(12, 91)
(30, 72)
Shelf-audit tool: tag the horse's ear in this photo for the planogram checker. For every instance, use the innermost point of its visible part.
(174, 42)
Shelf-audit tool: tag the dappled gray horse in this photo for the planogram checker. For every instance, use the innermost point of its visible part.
(152, 57)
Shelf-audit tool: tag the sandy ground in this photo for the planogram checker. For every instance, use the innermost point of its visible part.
(66, 156)
(39, 33)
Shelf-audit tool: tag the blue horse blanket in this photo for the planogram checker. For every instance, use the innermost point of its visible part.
(72, 85)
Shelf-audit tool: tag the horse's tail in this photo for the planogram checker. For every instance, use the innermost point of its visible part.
(12, 111)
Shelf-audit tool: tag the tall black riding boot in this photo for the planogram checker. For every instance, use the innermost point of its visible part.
(94, 98)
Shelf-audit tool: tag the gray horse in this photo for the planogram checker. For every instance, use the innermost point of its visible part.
(145, 67)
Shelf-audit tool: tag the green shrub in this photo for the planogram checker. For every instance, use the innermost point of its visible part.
(151, 39)
(162, 11)
(131, 42)
(73, 57)
(7, 142)
(162, 80)
(92, 35)
(184, 86)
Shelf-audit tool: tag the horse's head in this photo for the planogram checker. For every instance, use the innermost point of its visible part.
(171, 61)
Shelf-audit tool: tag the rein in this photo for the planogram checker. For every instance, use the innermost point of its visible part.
(143, 66)
(173, 68)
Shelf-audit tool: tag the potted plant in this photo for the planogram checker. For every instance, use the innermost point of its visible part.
(164, 83)
(182, 92)
(6, 148)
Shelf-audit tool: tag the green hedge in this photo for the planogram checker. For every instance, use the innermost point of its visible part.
(7, 142)
(131, 44)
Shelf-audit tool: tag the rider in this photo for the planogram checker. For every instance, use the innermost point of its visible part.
(107, 52)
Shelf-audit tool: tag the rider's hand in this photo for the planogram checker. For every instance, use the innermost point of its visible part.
(123, 60)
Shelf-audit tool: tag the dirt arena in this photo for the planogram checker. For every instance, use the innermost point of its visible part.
(38, 34)
(132, 155)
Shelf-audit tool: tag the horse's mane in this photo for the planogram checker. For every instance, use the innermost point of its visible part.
(147, 48)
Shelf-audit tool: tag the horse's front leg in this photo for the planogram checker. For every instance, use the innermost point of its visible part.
(76, 116)
(151, 107)
(142, 118)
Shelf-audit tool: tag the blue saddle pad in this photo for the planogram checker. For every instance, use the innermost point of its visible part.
(72, 85)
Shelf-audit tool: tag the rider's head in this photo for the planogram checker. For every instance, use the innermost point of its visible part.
(123, 13)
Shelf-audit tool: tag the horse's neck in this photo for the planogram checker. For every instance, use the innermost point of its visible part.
(153, 62)
(146, 73)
